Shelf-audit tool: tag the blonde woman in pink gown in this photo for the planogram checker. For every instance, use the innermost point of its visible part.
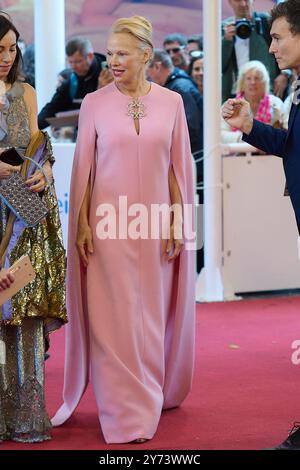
(131, 300)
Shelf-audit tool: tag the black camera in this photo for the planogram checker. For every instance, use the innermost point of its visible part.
(244, 27)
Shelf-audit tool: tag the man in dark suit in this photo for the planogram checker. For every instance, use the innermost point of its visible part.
(285, 33)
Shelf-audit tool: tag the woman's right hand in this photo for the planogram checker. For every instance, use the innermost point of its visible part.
(6, 170)
(84, 242)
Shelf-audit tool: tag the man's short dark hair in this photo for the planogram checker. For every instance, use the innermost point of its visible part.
(197, 38)
(290, 9)
(175, 37)
(80, 44)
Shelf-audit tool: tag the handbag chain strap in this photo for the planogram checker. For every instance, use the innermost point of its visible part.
(42, 170)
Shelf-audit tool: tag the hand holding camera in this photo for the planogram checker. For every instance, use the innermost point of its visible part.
(229, 31)
(243, 28)
(105, 76)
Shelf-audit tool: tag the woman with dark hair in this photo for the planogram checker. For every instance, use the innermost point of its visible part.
(39, 308)
(196, 69)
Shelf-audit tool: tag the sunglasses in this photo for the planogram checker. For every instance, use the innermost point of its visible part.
(198, 54)
(175, 50)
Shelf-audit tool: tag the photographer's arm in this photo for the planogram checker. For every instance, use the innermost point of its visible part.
(105, 77)
(228, 33)
(60, 101)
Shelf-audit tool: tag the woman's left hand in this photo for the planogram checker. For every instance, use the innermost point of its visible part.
(37, 182)
(6, 279)
(174, 244)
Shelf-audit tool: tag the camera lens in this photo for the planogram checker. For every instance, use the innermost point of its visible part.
(243, 28)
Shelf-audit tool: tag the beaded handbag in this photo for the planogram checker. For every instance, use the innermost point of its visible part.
(26, 205)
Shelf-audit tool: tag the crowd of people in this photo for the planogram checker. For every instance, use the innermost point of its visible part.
(250, 72)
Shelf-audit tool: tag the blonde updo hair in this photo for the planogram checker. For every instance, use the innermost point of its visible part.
(138, 26)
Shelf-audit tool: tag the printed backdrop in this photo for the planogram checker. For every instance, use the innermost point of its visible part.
(92, 18)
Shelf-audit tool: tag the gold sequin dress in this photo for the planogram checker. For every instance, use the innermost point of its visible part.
(39, 308)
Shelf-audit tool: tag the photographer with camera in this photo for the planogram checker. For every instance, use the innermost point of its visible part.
(86, 65)
(245, 37)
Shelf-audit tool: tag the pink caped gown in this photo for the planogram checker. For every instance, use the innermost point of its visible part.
(131, 314)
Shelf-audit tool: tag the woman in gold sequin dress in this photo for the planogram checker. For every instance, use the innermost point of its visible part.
(39, 308)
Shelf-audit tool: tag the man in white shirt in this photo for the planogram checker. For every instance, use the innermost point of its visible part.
(237, 48)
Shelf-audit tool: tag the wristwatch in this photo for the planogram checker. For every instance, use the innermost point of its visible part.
(287, 72)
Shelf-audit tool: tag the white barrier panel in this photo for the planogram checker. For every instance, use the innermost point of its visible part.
(62, 170)
(259, 229)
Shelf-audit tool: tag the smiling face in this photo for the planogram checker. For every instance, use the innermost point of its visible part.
(126, 59)
(197, 72)
(253, 85)
(285, 46)
(8, 53)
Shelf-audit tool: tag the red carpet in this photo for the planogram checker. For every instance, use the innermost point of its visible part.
(246, 389)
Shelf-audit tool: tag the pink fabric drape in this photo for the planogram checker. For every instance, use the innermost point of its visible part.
(131, 314)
